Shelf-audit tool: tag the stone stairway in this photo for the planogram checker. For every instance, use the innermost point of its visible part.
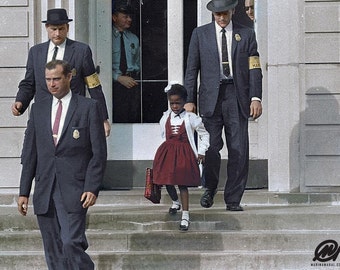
(125, 231)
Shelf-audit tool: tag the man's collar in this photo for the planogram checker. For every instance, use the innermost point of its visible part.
(116, 32)
(62, 45)
(229, 27)
(65, 98)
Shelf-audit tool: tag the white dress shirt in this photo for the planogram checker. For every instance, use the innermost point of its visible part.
(229, 35)
(176, 121)
(60, 54)
(65, 101)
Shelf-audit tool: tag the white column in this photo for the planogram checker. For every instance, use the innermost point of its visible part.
(284, 43)
(204, 15)
(175, 41)
(70, 8)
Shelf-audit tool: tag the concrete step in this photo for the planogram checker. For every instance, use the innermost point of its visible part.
(125, 231)
(274, 260)
(155, 217)
(251, 197)
(170, 241)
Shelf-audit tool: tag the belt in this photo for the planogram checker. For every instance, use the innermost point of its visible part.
(227, 81)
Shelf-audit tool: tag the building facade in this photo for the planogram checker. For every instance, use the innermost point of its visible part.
(294, 146)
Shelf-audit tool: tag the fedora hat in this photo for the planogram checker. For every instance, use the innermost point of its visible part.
(221, 5)
(57, 16)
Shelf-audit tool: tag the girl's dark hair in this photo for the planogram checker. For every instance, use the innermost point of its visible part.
(179, 90)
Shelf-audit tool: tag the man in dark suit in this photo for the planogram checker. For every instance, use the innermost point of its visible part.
(230, 91)
(68, 165)
(77, 54)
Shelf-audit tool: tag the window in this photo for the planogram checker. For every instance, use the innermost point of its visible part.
(145, 102)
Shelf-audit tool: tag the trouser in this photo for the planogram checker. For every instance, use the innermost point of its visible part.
(227, 116)
(64, 237)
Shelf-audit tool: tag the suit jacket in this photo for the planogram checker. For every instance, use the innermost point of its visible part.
(78, 161)
(78, 55)
(203, 59)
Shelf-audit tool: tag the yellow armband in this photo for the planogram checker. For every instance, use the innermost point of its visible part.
(254, 62)
(92, 81)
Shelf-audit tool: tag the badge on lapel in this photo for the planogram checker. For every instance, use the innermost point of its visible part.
(76, 134)
(237, 37)
(74, 72)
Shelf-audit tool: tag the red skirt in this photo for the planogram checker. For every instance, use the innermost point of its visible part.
(175, 163)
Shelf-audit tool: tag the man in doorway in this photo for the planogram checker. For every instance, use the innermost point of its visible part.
(125, 67)
(225, 55)
(65, 152)
(250, 8)
(77, 54)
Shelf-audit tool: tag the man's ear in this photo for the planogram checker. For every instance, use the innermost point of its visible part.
(69, 76)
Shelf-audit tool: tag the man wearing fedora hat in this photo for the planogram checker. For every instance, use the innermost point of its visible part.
(59, 47)
(225, 55)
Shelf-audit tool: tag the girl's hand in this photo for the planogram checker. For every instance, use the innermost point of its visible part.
(201, 159)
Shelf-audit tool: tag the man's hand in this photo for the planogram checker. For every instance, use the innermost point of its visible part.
(88, 199)
(255, 109)
(16, 108)
(190, 107)
(107, 128)
(127, 81)
(23, 205)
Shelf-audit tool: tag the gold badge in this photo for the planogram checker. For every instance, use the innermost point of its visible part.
(237, 37)
(76, 134)
(74, 72)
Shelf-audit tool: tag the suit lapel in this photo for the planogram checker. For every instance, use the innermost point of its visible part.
(42, 58)
(69, 50)
(211, 36)
(234, 41)
(44, 110)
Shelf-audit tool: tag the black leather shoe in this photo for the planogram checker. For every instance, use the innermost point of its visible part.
(173, 211)
(234, 207)
(207, 199)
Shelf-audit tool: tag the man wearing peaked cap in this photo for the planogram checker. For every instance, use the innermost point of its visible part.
(125, 67)
(60, 47)
(225, 56)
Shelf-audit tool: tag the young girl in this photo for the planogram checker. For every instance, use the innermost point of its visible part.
(176, 160)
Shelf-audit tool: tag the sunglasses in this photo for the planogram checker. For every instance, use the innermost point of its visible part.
(249, 7)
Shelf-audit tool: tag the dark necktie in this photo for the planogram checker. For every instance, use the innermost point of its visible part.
(55, 53)
(57, 122)
(123, 63)
(225, 62)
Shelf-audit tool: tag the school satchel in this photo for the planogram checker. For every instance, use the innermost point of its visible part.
(152, 191)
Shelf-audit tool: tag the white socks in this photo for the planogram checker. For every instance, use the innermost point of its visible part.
(176, 205)
(185, 218)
